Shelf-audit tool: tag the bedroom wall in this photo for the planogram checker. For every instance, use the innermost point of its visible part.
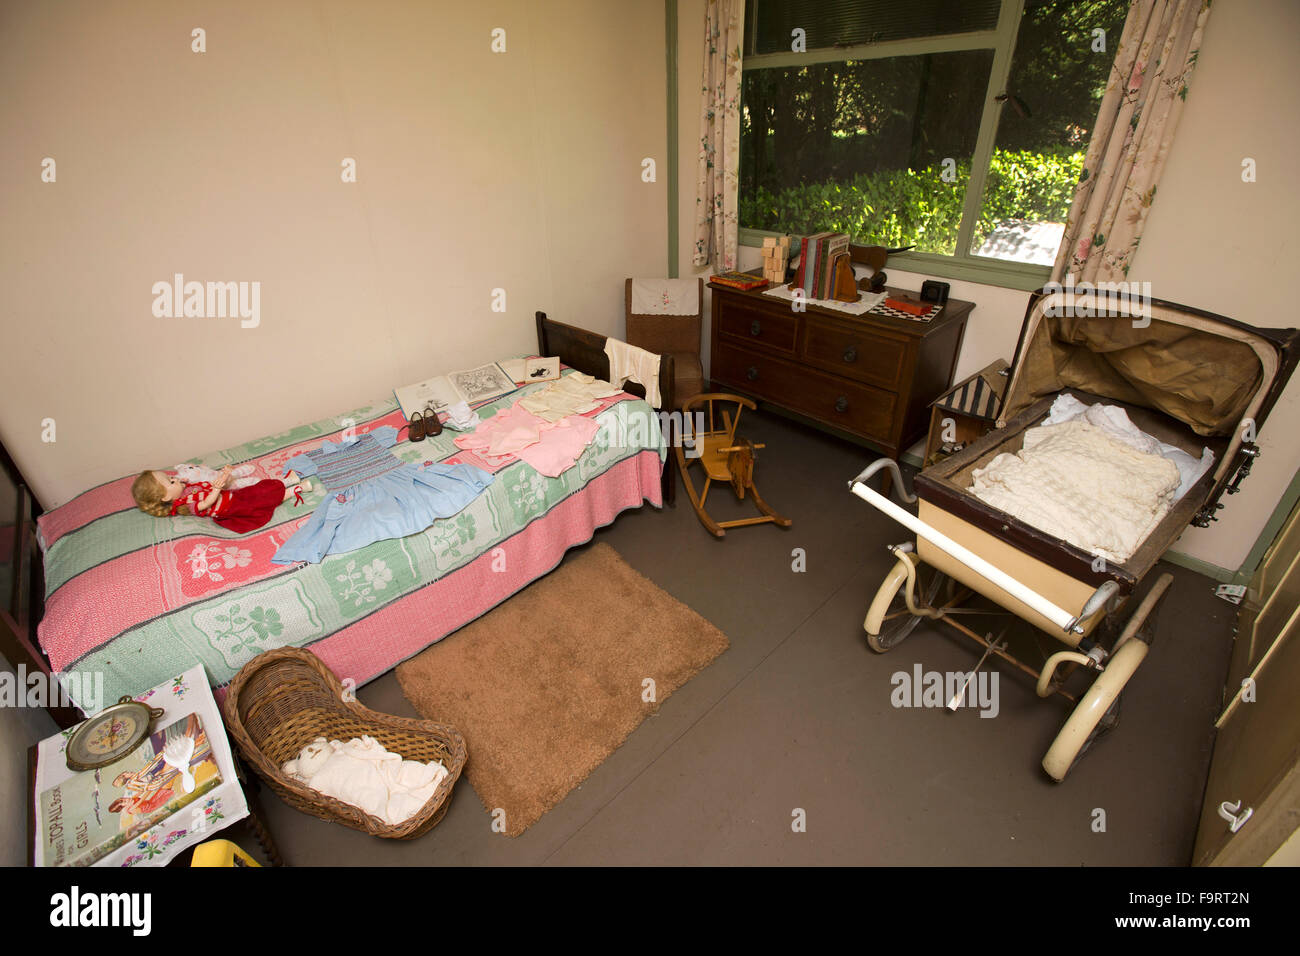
(1229, 246)
(476, 171)
(1211, 241)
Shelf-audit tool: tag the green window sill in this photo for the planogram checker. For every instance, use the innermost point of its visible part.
(1006, 275)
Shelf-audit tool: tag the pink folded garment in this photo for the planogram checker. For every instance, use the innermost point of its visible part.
(549, 447)
(505, 433)
(560, 446)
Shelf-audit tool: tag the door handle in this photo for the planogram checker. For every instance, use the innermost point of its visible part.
(756, 327)
(1235, 816)
(751, 373)
(841, 404)
(850, 354)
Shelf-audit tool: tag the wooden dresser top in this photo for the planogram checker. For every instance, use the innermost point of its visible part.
(954, 310)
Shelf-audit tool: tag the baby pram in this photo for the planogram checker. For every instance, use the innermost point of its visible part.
(1188, 378)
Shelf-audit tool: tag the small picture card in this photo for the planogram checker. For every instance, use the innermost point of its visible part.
(541, 370)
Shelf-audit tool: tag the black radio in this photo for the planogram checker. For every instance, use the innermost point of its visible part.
(936, 292)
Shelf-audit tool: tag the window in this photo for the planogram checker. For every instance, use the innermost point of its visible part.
(955, 126)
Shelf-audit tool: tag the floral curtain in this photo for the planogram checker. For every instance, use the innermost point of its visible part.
(1131, 138)
(716, 202)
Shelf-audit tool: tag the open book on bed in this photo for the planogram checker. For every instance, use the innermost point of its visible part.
(473, 386)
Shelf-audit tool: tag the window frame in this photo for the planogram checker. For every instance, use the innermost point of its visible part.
(963, 264)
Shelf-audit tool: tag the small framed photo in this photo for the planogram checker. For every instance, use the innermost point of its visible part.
(541, 370)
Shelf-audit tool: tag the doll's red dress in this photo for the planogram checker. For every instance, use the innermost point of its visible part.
(240, 510)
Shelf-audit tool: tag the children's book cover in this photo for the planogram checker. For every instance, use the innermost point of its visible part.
(97, 811)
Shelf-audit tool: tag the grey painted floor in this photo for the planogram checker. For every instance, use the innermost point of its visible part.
(797, 716)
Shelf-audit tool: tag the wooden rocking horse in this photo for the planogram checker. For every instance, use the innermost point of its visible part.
(723, 458)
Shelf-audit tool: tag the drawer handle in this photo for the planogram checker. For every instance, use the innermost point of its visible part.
(756, 327)
(751, 373)
(850, 354)
(841, 404)
(1235, 816)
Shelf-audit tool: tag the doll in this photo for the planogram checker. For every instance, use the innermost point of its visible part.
(241, 510)
(241, 476)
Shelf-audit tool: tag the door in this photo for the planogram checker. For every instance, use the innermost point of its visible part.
(1256, 765)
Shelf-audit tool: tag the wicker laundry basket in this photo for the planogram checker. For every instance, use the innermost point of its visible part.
(283, 699)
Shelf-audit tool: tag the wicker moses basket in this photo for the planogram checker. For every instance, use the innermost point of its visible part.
(282, 700)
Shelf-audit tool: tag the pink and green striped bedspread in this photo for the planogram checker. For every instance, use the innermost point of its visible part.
(141, 599)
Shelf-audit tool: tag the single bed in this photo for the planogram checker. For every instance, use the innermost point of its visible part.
(138, 599)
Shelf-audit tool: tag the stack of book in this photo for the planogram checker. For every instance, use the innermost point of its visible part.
(739, 280)
(817, 256)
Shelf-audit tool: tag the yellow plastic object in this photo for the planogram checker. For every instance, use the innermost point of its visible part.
(221, 853)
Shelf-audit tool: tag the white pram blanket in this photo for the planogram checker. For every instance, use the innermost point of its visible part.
(1077, 482)
(1114, 421)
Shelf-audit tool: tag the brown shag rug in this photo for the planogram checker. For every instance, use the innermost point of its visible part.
(545, 686)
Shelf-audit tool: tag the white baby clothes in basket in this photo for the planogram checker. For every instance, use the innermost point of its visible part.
(361, 772)
(629, 362)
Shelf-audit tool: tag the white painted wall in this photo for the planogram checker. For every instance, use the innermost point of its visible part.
(477, 170)
(1220, 244)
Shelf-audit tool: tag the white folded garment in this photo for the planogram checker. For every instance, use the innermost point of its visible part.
(629, 362)
(573, 394)
(361, 772)
(461, 417)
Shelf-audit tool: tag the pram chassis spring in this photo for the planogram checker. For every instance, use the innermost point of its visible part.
(1042, 678)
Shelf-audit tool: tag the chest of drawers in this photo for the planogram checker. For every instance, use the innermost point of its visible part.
(872, 377)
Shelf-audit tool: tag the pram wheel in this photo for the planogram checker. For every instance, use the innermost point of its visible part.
(1109, 721)
(1096, 712)
(889, 621)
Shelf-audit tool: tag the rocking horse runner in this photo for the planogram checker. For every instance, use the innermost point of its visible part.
(723, 458)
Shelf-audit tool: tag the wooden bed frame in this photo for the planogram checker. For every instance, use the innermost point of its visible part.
(24, 605)
(585, 351)
(25, 581)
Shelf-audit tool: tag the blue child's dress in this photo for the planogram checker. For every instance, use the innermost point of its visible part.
(372, 496)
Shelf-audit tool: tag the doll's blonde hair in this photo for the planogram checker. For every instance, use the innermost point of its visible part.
(148, 494)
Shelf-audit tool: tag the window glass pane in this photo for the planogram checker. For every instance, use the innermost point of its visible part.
(1056, 85)
(828, 23)
(878, 149)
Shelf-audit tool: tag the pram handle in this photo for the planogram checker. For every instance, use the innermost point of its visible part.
(1062, 618)
(1103, 594)
(880, 464)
